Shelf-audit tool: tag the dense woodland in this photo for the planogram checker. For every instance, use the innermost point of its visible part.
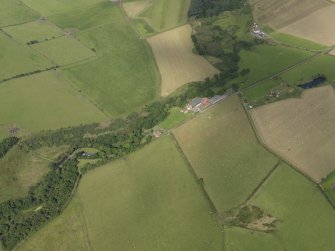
(20, 217)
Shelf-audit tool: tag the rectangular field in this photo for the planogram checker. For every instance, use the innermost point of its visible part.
(301, 130)
(318, 26)
(223, 150)
(124, 76)
(133, 8)
(176, 61)
(306, 221)
(44, 101)
(166, 14)
(64, 50)
(18, 59)
(146, 201)
(39, 30)
(15, 12)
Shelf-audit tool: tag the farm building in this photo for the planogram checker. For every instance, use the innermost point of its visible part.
(217, 98)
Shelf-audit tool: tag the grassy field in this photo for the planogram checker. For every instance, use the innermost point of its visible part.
(278, 14)
(323, 64)
(20, 170)
(148, 201)
(301, 130)
(175, 118)
(176, 61)
(124, 75)
(15, 12)
(240, 239)
(222, 148)
(296, 41)
(315, 27)
(39, 30)
(17, 59)
(47, 8)
(133, 8)
(64, 50)
(44, 101)
(166, 14)
(67, 232)
(265, 60)
(306, 219)
(260, 90)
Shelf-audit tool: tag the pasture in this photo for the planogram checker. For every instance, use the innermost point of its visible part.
(223, 150)
(64, 50)
(20, 170)
(124, 76)
(301, 130)
(133, 8)
(47, 8)
(17, 59)
(166, 14)
(278, 14)
(146, 201)
(306, 219)
(175, 118)
(260, 61)
(45, 101)
(39, 30)
(316, 27)
(15, 12)
(66, 232)
(177, 63)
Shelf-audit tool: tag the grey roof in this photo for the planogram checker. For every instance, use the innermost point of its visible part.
(216, 98)
(196, 101)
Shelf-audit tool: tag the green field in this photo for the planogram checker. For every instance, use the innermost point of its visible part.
(64, 50)
(166, 14)
(20, 170)
(323, 64)
(306, 219)
(47, 8)
(260, 90)
(222, 148)
(39, 30)
(147, 201)
(124, 76)
(296, 41)
(266, 60)
(67, 232)
(15, 12)
(17, 59)
(44, 101)
(175, 118)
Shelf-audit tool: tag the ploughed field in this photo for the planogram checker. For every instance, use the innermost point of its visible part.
(301, 130)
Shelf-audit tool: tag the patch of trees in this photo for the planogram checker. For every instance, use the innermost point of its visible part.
(207, 8)
(7, 144)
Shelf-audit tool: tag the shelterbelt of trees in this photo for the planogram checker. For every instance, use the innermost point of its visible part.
(21, 217)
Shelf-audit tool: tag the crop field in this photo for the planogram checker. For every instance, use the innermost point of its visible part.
(332, 52)
(316, 27)
(176, 61)
(166, 14)
(124, 73)
(278, 14)
(47, 8)
(45, 101)
(135, 7)
(306, 219)
(15, 12)
(261, 61)
(147, 201)
(301, 130)
(17, 59)
(66, 232)
(64, 50)
(20, 170)
(39, 30)
(222, 148)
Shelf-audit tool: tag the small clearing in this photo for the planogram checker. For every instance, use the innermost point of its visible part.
(177, 63)
(301, 130)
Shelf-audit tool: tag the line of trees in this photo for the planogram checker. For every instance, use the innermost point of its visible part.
(7, 144)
